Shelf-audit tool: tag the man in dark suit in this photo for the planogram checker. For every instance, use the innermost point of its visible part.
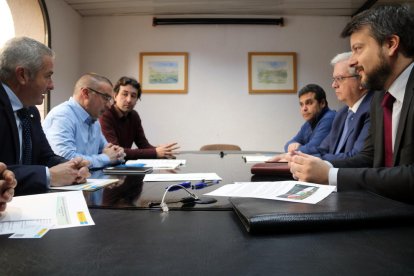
(383, 53)
(351, 123)
(26, 68)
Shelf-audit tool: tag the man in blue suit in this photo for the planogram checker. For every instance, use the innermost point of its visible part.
(351, 123)
(342, 142)
(26, 68)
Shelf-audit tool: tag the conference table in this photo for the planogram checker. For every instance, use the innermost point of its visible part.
(132, 238)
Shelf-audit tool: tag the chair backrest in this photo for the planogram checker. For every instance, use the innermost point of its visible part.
(220, 147)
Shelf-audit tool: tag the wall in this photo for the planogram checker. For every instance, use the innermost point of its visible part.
(217, 108)
(65, 25)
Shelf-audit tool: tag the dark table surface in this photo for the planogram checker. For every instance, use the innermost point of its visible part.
(132, 193)
(141, 241)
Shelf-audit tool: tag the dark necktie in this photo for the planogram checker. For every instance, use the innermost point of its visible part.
(387, 103)
(26, 136)
(345, 131)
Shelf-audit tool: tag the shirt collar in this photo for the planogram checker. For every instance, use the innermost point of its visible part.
(397, 88)
(14, 100)
(356, 105)
(81, 112)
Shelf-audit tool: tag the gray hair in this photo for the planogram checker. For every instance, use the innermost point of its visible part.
(25, 52)
(341, 58)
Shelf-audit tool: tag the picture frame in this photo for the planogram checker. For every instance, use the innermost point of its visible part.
(163, 72)
(272, 72)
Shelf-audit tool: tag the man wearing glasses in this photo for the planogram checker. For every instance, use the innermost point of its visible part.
(351, 123)
(72, 128)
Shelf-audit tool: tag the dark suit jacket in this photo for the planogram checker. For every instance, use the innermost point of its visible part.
(31, 178)
(396, 182)
(358, 131)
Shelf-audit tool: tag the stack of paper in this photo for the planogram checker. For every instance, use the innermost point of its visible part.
(90, 185)
(294, 191)
(256, 158)
(32, 216)
(158, 164)
(181, 177)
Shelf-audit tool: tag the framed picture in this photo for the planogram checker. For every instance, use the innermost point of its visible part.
(163, 72)
(272, 72)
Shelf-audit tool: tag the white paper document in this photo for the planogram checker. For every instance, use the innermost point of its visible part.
(294, 191)
(158, 164)
(256, 158)
(9, 227)
(180, 177)
(90, 185)
(62, 209)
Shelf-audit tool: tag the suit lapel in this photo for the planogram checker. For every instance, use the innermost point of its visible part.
(11, 120)
(408, 98)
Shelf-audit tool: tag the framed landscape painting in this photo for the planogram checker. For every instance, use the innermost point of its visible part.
(163, 72)
(272, 72)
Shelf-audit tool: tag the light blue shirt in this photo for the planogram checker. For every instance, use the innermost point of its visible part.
(72, 132)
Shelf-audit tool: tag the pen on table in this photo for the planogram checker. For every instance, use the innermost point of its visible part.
(202, 184)
(186, 184)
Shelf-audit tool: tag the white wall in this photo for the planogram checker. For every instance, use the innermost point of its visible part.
(65, 25)
(217, 108)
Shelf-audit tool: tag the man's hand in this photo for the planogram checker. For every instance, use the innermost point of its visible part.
(293, 147)
(308, 168)
(278, 158)
(114, 152)
(167, 150)
(73, 171)
(7, 184)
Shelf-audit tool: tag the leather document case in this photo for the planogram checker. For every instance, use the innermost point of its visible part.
(344, 210)
(277, 168)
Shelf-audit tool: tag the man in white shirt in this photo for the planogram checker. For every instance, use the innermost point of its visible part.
(383, 54)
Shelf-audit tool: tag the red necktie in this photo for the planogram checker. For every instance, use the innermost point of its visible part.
(387, 103)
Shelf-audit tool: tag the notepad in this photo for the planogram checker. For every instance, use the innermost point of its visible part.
(90, 185)
(127, 169)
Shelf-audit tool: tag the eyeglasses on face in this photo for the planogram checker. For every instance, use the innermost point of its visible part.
(340, 79)
(104, 96)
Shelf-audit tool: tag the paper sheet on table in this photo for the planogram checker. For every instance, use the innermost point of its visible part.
(10, 227)
(158, 164)
(294, 191)
(90, 185)
(256, 158)
(67, 209)
(180, 177)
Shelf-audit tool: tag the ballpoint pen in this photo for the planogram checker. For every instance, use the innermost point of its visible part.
(202, 184)
(175, 187)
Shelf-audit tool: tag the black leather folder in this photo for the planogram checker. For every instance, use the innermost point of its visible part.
(344, 210)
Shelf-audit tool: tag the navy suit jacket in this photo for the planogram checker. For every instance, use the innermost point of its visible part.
(358, 131)
(366, 169)
(30, 178)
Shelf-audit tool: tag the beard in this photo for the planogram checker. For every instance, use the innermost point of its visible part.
(377, 78)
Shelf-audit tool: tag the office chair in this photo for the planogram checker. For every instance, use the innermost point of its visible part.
(220, 147)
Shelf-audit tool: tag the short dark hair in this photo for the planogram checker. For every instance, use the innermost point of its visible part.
(320, 94)
(384, 21)
(128, 81)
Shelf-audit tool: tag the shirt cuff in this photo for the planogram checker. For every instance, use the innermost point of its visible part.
(47, 178)
(333, 178)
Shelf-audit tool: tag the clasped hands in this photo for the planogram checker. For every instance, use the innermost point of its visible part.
(7, 184)
(73, 171)
(305, 167)
(115, 153)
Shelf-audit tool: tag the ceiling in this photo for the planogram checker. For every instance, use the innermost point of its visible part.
(88, 8)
